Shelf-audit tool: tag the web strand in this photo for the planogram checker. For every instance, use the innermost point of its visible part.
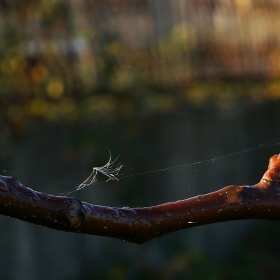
(261, 146)
(113, 173)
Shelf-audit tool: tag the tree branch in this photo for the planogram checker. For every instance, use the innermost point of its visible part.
(138, 225)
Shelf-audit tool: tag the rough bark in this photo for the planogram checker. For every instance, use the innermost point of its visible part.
(138, 225)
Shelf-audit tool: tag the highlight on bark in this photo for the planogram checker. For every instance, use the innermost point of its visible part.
(141, 224)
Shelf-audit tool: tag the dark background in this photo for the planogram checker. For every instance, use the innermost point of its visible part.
(163, 84)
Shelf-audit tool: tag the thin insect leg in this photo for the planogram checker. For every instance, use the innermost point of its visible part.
(109, 172)
(106, 170)
(90, 180)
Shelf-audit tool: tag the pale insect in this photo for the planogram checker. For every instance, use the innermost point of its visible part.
(106, 170)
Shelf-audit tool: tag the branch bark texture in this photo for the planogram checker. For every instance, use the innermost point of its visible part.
(138, 225)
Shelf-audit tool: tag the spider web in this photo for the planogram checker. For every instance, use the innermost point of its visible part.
(188, 172)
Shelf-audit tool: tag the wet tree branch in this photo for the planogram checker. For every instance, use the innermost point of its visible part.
(138, 225)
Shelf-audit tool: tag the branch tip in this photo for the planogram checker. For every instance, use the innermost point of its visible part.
(272, 176)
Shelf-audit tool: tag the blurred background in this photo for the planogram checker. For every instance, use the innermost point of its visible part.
(186, 92)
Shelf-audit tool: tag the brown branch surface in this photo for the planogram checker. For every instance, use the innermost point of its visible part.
(138, 225)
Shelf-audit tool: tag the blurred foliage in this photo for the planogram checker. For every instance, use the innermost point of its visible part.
(67, 61)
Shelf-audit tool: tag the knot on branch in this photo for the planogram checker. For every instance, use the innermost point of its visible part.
(75, 214)
(233, 194)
